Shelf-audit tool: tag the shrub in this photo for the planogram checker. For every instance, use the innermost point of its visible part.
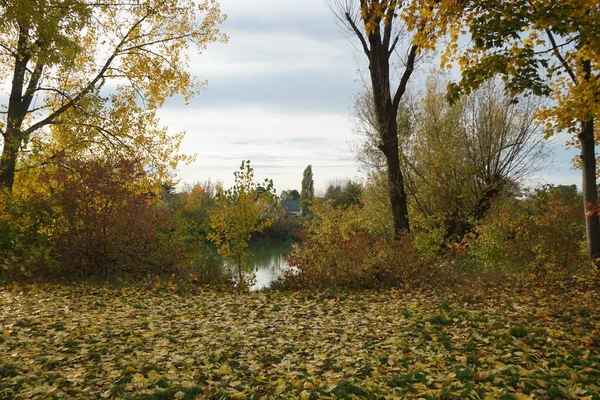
(542, 234)
(336, 253)
(97, 219)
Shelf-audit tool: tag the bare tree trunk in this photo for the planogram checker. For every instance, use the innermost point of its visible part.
(397, 192)
(386, 110)
(590, 190)
(8, 161)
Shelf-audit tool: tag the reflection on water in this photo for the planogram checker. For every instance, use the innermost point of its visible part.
(269, 260)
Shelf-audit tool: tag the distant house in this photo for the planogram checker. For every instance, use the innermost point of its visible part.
(292, 208)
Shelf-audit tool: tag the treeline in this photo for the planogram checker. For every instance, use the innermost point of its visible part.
(83, 169)
(112, 219)
(466, 166)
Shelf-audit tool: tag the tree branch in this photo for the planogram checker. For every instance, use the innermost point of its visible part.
(387, 28)
(410, 67)
(36, 75)
(91, 85)
(359, 34)
(554, 48)
(393, 47)
(560, 57)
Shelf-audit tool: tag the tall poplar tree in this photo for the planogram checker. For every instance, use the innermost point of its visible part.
(307, 193)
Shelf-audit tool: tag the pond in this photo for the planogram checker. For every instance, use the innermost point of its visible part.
(269, 260)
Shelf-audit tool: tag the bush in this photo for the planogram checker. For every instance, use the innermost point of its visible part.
(336, 253)
(98, 219)
(542, 234)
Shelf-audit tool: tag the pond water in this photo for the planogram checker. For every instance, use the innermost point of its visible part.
(269, 260)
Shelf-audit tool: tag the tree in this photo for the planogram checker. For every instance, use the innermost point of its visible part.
(550, 48)
(378, 24)
(343, 194)
(95, 219)
(462, 157)
(66, 62)
(307, 193)
(240, 211)
(457, 158)
(193, 203)
(290, 195)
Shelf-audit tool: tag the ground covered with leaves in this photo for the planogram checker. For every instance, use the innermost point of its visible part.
(90, 342)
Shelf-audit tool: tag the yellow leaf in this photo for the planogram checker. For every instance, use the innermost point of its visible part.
(305, 395)
(179, 395)
(6, 335)
(521, 396)
(543, 384)
(280, 389)
(225, 369)
(153, 375)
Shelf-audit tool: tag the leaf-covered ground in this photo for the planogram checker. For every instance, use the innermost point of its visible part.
(86, 342)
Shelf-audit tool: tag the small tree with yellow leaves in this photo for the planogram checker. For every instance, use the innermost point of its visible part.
(244, 209)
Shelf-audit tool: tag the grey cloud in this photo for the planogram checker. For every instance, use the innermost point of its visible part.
(306, 92)
(321, 27)
(302, 141)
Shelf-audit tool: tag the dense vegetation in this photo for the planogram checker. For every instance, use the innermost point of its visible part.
(440, 275)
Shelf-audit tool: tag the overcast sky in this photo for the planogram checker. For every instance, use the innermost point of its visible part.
(280, 94)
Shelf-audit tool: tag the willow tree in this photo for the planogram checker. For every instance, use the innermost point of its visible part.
(66, 61)
(458, 157)
(382, 28)
(550, 48)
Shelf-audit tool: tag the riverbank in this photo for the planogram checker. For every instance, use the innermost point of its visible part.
(132, 343)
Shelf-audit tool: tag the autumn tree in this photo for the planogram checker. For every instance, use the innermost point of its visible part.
(243, 209)
(292, 194)
(463, 157)
(549, 48)
(307, 193)
(79, 63)
(458, 158)
(382, 26)
(343, 194)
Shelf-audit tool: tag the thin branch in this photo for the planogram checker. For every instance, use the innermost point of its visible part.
(164, 40)
(90, 86)
(410, 67)
(554, 48)
(359, 34)
(560, 57)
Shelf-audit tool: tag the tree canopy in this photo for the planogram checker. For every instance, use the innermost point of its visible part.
(542, 47)
(90, 74)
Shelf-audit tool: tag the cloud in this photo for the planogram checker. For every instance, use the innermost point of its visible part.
(306, 92)
(279, 144)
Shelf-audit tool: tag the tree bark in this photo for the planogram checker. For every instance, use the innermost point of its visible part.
(397, 192)
(8, 162)
(18, 104)
(386, 110)
(590, 190)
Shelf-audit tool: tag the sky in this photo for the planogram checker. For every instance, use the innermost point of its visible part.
(280, 93)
